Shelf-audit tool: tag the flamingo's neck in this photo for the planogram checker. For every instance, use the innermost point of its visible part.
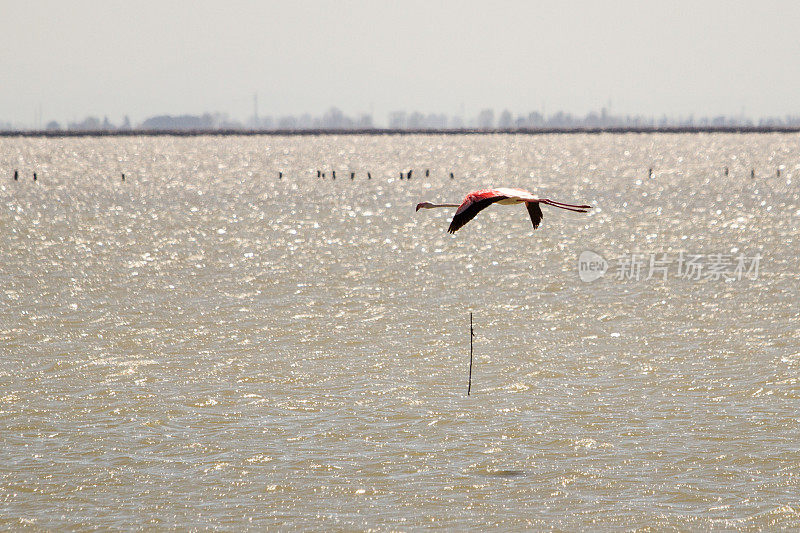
(444, 205)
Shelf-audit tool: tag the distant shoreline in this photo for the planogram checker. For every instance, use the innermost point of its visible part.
(387, 131)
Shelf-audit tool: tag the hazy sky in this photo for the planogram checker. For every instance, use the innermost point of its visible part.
(145, 58)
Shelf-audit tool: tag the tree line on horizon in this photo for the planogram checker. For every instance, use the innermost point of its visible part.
(335, 119)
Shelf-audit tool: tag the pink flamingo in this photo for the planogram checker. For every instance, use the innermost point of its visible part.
(477, 201)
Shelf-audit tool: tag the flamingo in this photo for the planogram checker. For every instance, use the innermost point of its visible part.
(477, 201)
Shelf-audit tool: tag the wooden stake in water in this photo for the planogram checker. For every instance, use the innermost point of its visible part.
(471, 334)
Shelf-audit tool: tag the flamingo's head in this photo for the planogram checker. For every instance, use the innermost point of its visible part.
(424, 205)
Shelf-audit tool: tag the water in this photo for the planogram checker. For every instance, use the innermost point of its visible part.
(205, 345)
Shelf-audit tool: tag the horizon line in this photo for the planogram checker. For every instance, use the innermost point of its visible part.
(397, 131)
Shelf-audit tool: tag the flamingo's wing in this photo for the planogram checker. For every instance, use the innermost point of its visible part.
(471, 207)
(535, 212)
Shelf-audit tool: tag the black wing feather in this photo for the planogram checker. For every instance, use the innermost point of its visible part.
(469, 213)
(535, 212)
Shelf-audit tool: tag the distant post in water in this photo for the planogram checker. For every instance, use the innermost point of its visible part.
(280, 175)
(471, 334)
(726, 171)
(352, 175)
(427, 172)
(409, 174)
(778, 174)
(401, 174)
(752, 173)
(333, 174)
(369, 176)
(650, 175)
(16, 175)
(451, 176)
(123, 176)
(34, 176)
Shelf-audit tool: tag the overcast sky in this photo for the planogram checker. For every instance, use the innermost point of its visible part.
(143, 58)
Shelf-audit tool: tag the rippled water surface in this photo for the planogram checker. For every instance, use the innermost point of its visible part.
(205, 345)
